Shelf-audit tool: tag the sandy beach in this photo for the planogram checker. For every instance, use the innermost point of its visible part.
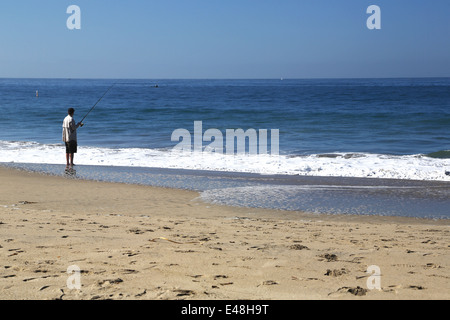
(141, 242)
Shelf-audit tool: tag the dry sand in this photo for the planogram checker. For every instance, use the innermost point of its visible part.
(139, 242)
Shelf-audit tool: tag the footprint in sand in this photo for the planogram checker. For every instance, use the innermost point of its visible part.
(269, 283)
(102, 283)
(298, 247)
(356, 291)
(329, 257)
(183, 292)
(336, 272)
(416, 287)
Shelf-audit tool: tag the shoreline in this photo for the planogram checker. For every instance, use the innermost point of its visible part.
(313, 194)
(144, 242)
(264, 212)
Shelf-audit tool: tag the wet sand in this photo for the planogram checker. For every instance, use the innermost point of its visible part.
(141, 242)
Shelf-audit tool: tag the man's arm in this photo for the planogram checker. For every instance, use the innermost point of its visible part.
(74, 126)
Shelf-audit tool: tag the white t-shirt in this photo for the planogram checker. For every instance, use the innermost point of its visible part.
(69, 129)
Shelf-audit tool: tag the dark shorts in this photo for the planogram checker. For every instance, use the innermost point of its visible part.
(71, 147)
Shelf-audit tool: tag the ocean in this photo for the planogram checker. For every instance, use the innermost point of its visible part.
(370, 129)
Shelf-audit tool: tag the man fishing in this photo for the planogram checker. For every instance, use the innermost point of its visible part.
(70, 133)
(69, 136)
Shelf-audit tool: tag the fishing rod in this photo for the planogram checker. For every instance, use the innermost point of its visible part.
(97, 102)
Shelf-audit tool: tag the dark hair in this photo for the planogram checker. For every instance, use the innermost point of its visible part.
(70, 110)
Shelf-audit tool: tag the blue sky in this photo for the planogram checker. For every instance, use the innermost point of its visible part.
(224, 39)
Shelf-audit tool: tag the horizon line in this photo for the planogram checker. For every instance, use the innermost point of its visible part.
(240, 78)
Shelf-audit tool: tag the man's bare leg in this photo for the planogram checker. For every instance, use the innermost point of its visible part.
(69, 160)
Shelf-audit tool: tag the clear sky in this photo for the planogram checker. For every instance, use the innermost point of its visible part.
(224, 39)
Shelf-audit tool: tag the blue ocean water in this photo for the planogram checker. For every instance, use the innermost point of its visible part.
(381, 116)
(333, 135)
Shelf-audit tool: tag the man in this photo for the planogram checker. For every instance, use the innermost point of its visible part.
(69, 136)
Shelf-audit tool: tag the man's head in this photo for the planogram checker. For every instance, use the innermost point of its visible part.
(71, 111)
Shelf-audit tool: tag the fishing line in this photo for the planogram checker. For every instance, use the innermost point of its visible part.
(97, 102)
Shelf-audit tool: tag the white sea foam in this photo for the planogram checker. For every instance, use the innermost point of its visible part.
(416, 167)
